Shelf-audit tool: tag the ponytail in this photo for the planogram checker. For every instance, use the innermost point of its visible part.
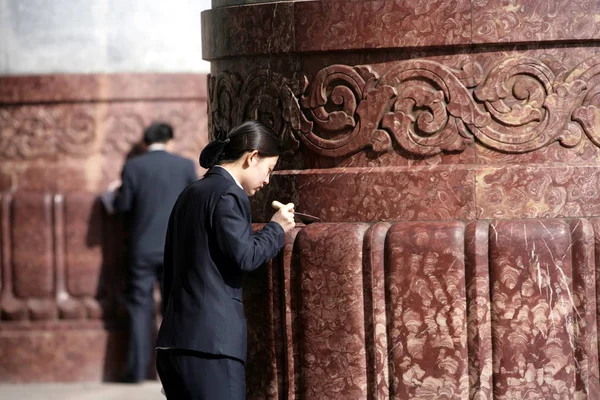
(211, 155)
(247, 137)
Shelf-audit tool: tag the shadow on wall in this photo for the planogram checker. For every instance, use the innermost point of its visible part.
(109, 233)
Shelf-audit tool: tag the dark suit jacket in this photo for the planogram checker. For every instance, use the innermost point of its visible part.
(151, 183)
(209, 247)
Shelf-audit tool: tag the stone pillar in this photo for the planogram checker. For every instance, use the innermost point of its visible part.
(63, 138)
(452, 150)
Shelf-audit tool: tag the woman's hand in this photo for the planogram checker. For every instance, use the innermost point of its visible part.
(285, 217)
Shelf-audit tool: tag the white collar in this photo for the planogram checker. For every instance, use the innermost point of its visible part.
(157, 146)
(230, 174)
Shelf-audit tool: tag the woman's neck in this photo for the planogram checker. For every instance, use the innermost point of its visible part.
(235, 171)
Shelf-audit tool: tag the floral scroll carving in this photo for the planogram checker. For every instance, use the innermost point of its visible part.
(124, 131)
(345, 106)
(420, 106)
(30, 132)
(264, 96)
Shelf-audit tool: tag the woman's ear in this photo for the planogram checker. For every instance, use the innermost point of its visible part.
(252, 158)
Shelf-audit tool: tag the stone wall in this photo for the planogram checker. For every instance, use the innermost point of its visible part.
(63, 138)
(452, 151)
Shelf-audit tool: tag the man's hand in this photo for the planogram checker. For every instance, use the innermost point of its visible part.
(114, 185)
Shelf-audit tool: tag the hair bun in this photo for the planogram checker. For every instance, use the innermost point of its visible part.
(211, 154)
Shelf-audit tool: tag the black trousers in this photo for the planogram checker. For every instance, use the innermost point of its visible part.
(190, 375)
(143, 272)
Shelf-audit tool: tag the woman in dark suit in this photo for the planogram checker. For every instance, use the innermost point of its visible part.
(201, 344)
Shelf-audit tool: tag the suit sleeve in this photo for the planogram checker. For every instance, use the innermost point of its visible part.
(167, 272)
(192, 176)
(126, 193)
(235, 239)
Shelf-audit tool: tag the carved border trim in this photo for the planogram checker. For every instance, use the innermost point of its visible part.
(423, 106)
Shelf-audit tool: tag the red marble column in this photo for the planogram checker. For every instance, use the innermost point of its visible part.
(452, 151)
(63, 138)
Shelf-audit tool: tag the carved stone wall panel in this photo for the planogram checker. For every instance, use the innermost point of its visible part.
(63, 138)
(44, 176)
(389, 194)
(82, 88)
(561, 58)
(405, 310)
(537, 191)
(376, 340)
(583, 153)
(331, 322)
(567, 67)
(262, 298)
(32, 271)
(596, 227)
(31, 132)
(338, 24)
(455, 119)
(495, 21)
(83, 244)
(6, 181)
(48, 143)
(428, 110)
(32, 249)
(67, 307)
(391, 159)
(11, 307)
(290, 313)
(258, 29)
(60, 140)
(427, 324)
(584, 287)
(479, 323)
(537, 308)
(124, 127)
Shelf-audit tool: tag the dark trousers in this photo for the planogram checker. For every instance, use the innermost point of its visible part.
(190, 375)
(143, 272)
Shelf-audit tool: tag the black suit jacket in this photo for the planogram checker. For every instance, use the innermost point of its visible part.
(209, 247)
(151, 183)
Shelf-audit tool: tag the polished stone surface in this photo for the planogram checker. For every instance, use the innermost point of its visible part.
(73, 132)
(428, 309)
(451, 150)
(63, 260)
(61, 351)
(149, 390)
(456, 182)
(342, 25)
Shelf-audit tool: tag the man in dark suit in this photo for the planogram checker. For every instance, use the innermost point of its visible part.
(150, 185)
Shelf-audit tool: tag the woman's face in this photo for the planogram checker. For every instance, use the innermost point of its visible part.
(257, 173)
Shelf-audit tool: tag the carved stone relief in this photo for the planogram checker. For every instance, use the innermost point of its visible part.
(30, 132)
(123, 131)
(427, 310)
(263, 95)
(422, 106)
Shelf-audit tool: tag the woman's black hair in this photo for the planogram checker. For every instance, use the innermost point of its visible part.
(249, 136)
